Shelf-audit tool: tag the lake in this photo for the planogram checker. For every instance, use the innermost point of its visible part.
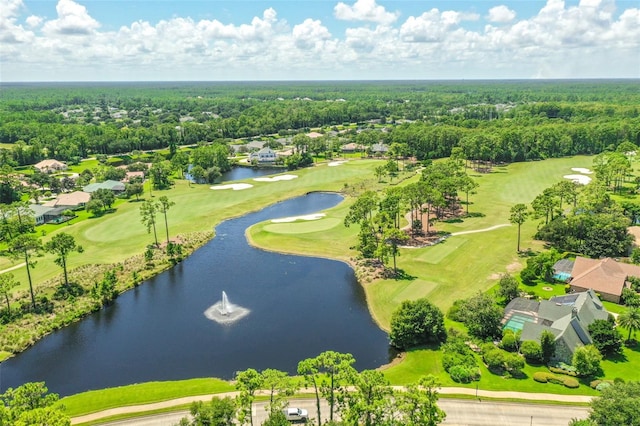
(299, 307)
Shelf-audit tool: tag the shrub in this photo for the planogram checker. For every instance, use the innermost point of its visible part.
(532, 351)
(562, 371)
(571, 383)
(541, 376)
(595, 383)
(509, 341)
(463, 374)
(602, 386)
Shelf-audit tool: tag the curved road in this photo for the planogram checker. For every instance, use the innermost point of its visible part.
(459, 412)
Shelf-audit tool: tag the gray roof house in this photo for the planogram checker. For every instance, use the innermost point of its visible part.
(112, 185)
(39, 212)
(567, 317)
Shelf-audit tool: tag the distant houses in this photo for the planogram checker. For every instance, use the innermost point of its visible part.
(50, 166)
(265, 155)
(111, 185)
(606, 277)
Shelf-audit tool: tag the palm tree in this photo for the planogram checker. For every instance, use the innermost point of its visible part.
(630, 319)
(518, 216)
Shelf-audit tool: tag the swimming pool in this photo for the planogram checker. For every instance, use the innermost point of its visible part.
(516, 322)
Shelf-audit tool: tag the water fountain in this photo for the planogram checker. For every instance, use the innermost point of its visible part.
(225, 312)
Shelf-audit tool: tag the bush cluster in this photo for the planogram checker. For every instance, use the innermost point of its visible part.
(459, 360)
(544, 377)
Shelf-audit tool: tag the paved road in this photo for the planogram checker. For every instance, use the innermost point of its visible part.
(459, 412)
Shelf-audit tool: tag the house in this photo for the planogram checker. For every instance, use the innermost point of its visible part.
(50, 166)
(379, 149)
(605, 276)
(568, 317)
(315, 135)
(111, 185)
(39, 212)
(72, 201)
(129, 176)
(45, 214)
(265, 155)
(352, 147)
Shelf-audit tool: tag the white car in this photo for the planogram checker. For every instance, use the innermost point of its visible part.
(296, 414)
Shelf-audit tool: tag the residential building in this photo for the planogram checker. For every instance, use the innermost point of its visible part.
(568, 317)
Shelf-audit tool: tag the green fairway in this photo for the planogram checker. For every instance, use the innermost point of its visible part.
(303, 227)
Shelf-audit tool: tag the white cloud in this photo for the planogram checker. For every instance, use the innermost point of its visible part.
(501, 14)
(73, 19)
(310, 34)
(33, 21)
(589, 39)
(364, 10)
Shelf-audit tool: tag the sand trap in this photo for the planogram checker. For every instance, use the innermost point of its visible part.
(581, 170)
(275, 178)
(315, 216)
(581, 179)
(234, 186)
(336, 163)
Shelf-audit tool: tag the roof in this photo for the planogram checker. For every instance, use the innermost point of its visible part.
(49, 164)
(602, 275)
(314, 135)
(75, 198)
(563, 265)
(112, 185)
(379, 147)
(568, 317)
(39, 210)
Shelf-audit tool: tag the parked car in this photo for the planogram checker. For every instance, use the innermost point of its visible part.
(296, 414)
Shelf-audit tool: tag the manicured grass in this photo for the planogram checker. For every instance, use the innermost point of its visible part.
(419, 362)
(144, 393)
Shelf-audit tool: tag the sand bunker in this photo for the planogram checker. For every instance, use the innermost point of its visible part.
(315, 216)
(581, 170)
(581, 179)
(337, 163)
(234, 186)
(275, 178)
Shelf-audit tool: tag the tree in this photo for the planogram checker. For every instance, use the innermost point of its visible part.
(367, 402)
(508, 288)
(532, 351)
(62, 245)
(148, 211)
(630, 319)
(280, 386)
(25, 246)
(32, 404)
(95, 207)
(219, 412)
(418, 403)
(309, 369)
(482, 316)
(160, 174)
(416, 323)
(247, 382)
(617, 405)
(132, 189)
(164, 205)
(586, 359)
(7, 283)
(335, 367)
(518, 217)
(105, 195)
(547, 345)
(276, 418)
(380, 171)
(605, 337)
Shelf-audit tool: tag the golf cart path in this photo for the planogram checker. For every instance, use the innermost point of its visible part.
(475, 231)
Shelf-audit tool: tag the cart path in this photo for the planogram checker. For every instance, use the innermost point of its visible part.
(475, 231)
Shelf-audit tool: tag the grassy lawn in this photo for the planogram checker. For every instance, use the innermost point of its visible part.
(93, 401)
(119, 235)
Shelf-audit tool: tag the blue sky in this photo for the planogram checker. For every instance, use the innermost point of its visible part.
(102, 40)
